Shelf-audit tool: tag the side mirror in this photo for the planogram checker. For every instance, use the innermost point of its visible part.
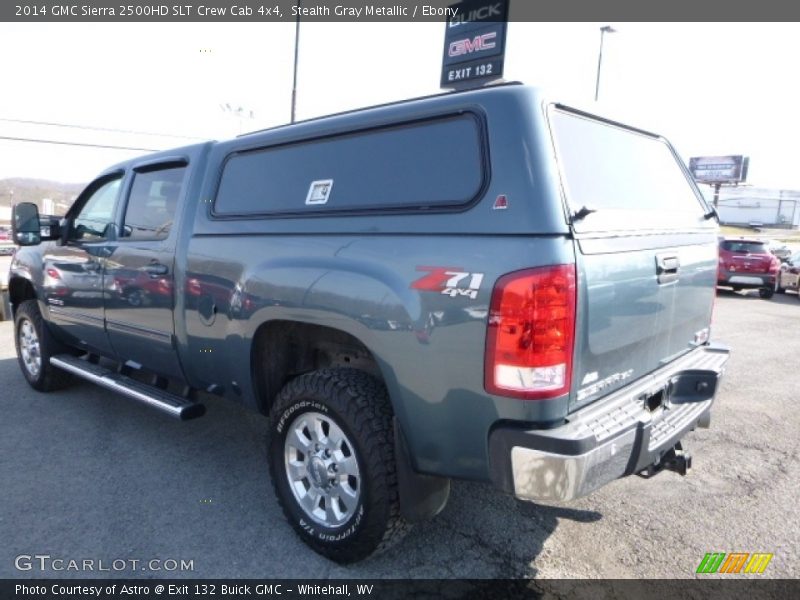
(25, 226)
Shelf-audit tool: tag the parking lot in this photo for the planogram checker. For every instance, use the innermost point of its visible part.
(90, 475)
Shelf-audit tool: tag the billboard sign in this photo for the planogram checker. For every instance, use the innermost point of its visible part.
(719, 169)
(474, 43)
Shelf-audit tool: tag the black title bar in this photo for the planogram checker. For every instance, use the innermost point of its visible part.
(391, 11)
(353, 589)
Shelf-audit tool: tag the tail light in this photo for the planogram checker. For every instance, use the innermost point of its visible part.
(193, 287)
(531, 333)
(53, 273)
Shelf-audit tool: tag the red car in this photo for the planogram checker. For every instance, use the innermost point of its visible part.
(747, 264)
(6, 244)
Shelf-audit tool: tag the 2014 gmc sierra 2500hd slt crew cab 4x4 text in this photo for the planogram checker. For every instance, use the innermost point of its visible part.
(479, 285)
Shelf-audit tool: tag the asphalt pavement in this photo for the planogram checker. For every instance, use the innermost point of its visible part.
(91, 476)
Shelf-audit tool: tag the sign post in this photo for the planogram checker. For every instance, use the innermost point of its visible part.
(474, 43)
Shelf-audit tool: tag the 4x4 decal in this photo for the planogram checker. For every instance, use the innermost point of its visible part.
(450, 281)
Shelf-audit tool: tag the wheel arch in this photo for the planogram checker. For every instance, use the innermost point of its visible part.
(19, 290)
(284, 349)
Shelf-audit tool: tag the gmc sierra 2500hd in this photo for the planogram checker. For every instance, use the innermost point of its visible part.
(479, 285)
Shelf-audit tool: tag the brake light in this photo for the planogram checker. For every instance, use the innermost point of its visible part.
(193, 287)
(53, 273)
(530, 335)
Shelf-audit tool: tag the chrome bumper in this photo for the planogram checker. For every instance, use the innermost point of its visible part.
(616, 436)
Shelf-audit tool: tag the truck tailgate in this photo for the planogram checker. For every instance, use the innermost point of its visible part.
(642, 306)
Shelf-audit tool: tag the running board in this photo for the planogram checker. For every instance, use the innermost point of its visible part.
(172, 404)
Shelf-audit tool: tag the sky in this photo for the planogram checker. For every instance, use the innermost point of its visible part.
(711, 89)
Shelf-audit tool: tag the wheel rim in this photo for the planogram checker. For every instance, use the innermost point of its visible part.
(29, 348)
(322, 469)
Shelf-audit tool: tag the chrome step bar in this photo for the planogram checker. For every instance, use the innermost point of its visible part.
(172, 404)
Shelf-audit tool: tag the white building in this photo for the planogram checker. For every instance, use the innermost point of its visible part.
(745, 205)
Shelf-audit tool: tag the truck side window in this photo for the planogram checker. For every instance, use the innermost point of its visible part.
(97, 215)
(152, 202)
(437, 162)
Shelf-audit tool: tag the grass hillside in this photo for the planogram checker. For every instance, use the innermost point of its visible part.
(19, 189)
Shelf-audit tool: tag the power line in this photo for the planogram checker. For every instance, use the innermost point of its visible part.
(111, 129)
(60, 143)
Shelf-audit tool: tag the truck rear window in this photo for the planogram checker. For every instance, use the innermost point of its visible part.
(610, 168)
(429, 164)
(745, 247)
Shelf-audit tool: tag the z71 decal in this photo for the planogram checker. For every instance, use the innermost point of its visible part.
(450, 281)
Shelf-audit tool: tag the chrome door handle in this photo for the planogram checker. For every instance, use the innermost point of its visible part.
(156, 269)
(667, 267)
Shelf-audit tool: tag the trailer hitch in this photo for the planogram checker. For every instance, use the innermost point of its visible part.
(675, 459)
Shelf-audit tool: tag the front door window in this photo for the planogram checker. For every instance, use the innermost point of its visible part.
(95, 221)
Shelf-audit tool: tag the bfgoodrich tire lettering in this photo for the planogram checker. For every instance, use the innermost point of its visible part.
(352, 409)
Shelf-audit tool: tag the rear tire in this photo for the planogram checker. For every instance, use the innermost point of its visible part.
(766, 293)
(331, 456)
(35, 345)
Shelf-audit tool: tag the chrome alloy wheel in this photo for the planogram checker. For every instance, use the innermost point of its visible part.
(322, 469)
(29, 348)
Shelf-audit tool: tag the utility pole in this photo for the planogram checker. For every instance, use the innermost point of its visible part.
(603, 31)
(296, 46)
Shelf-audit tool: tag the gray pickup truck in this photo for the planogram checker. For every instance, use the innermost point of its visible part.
(480, 285)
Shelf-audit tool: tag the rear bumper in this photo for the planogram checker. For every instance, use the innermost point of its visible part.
(613, 437)
(745, 280)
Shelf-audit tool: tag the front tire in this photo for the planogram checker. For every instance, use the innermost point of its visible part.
(35, 345)
(331, 456)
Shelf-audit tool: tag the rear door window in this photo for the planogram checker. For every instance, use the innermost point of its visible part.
(150, 212)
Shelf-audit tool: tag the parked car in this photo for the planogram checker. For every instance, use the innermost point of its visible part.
(789, 275)
(747, 264)
(6, 244)
(779, 249)
(67, 281)
(137, 287)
